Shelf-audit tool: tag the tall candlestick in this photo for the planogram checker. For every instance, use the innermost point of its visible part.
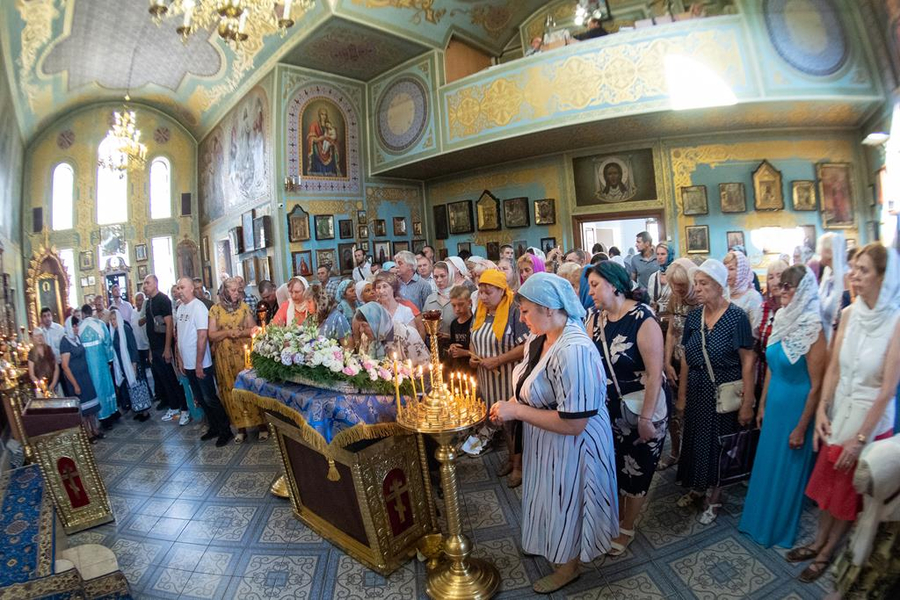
(397, 385)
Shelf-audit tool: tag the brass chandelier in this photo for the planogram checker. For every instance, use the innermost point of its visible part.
(125, 152)
(234, 20)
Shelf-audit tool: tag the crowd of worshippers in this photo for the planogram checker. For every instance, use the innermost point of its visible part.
(587, 361)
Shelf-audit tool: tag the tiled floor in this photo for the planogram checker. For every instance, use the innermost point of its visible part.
(196, 521)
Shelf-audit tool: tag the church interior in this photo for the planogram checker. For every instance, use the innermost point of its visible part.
(264, 139)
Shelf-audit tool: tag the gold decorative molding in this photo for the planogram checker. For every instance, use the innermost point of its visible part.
(424, 9)
(376, 195)
(38, 16)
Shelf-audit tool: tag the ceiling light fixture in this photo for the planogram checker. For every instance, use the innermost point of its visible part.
(876, 138)
(234, 20)
(125, 150)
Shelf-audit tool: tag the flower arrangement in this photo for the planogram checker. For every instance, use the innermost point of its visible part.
(301, 354)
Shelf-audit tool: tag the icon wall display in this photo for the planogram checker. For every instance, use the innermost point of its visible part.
(697, 239)
(140, 252)
(401, 247)
(519, 247)
(142, 272)
(399, 225)
(298, 224)
(345, 229)
(487, 211)
(264, 268)
(302, 263)
(361, 216)
(325, 258)
(364, 245)
(459, 215)
(441, 225)
(693, 200)
(417, 228)
(379, 226)
(324, 227)
(545, 211)
(345, 255)
(247, 230)
(236, 237)
(249, 266)
(382, 252)
(362, 232)
(515, 212)
(803, 195)
(836, 193)
(262, 231)
(767, 189)
(732, 198)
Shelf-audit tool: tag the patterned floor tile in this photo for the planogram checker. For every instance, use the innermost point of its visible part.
(640, 586)
(123, 506)
(156, 506)
(264, 455)
(230, 522)
(110, 472)
(203, 586)
(135, 558)
(483, 509)
(183, 556)
(724, 570)
(167, 528)
(282, 527)
(353, 581)
(247, 485)
(140, 524)
(183, 509)
(210, 456)
(141, 480)
(217, 560)
(505, 555)
(276, 576)
(472, 471)
(168, 454)
(168, 582)
(663, 523)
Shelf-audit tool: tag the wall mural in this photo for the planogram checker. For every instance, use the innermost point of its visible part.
(323, 140)
(11, 155)
(234, 161)
(811, 39)
(402, 114)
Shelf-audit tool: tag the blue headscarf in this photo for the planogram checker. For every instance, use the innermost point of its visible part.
(345, 307)
(670, 256)
(552, 291)
(379, 319)
(584, 289)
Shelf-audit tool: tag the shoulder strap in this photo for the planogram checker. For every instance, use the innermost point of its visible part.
(709, 369)
(602, 322)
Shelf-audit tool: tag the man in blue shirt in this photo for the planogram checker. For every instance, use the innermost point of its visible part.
(412, 287)
(644, 263)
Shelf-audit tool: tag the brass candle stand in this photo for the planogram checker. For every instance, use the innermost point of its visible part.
(449, 408)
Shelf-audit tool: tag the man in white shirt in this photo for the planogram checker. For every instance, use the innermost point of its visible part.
(424, 267)
(140, 337)
(363, 269)
(123, 306)
(53, 331)
(192, 325)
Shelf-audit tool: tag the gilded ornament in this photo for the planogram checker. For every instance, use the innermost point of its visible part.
(424, 9)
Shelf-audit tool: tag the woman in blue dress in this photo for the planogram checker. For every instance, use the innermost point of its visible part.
(76, 371)
(570, 507)
(332, 322)
(796, 357)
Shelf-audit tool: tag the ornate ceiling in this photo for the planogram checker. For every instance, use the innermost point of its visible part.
(62, 54)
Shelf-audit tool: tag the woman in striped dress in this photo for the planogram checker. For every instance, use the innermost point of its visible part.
(497, 343)
(569, 500)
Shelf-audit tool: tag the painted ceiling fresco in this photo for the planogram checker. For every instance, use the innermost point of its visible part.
(62, 54)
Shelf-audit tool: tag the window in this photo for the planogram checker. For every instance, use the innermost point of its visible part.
(67, 257)
(160, 189)
(163, 262)
(62, 205)
(112, 192)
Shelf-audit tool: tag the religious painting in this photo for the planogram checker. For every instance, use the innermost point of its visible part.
(548, 244)
(364, 245)
(324, 141)
(302, 263)
(236, 237)
(693, 200)
(112, 241)
(463, 247)
(803, 195)
(362, 232)
(734, 238)
(417, 228)
(324, 227)
(262, 231)
(418, 246)
(361, 216)
(487, 211)
(401, 247)
(441, 226)
(515, 212)
(247, 230)
(382, 252)
(207, 277)
(345, 253)
(493, 251)
(298, 224)
(380, 227)
(345, 228)
(697, 239)
(142, 272)
(614, 178)
(86, 260)
(460, 217)
(325, 258)
(223, 256)
(204, 249)
(732, 198)
(249, 267)
(520, 247)
(399, 225)
(140, 252)
(767, 189)
(836, 192)
(187, 259)
(545, 211)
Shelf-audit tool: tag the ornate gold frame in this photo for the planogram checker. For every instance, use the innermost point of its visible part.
(36, 272)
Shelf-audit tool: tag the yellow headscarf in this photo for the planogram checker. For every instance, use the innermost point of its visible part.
(501, 316)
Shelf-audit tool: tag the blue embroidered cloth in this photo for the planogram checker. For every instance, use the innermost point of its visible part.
(26, 526)
(327, 411)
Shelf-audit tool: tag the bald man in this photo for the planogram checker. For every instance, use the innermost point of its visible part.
(160, 328)
(192, 325)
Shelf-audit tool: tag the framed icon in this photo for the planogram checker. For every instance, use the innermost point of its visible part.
(324, 227)
(693, 200)
(418, 246)
(803, 195)
(732, 198)
(734, 238)
(697, 239)
(345, 255)
(459, 216)
(298, 224)
(86, 260)
(417, 228)
(487, 211)
(836, 194)
(325, 257)
(441, 221)
(140, 252)
(302, 263)
(382, 252)
(493, 251)
(262, 231)
(399, 225)
(362, 232)
(548, 244)
(345, 228)
(515, 212)
(361, 216)
(380, 227)
(236, 237)
(463, 247)
(402, 246)
(545, 211)
(767, 189)
(247, 231)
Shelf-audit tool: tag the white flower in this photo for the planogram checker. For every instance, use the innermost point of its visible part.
(619, 346)
(630, 467)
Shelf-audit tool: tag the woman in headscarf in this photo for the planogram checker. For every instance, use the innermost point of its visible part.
(377, 335)
(73, 361)
(282, 294)
(346, 296)
(569, 500)
(440, 299)
(682, 300)
(126, 371)
(293, 311)
(797, 355)
(508, 267)
(462, 273)
(771, 305)
(831, 280)
(630, 342)
(387, 293)
(42, 362)
(365, 292)
(718, 349)
(231, 326)
(740, 288)
(658, 286)
(528, 265)
(858, 399)
(331, 321)
(498, 338)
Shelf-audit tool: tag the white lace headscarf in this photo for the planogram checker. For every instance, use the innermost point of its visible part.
(798, 324)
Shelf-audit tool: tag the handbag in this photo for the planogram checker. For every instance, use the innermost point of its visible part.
(140, 395)
(736, 455)
(729, 395)
(633, 402)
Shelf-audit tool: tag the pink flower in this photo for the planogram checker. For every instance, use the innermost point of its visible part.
(384, 373)
(348, 370)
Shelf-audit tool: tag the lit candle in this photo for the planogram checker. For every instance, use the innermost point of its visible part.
(397, 385)
(287, 9)
(473, 390)
(188, 13)
(422, 379)
(430, 376)
(464, 388)
(412, 377)
(246, 357)
(453, 383)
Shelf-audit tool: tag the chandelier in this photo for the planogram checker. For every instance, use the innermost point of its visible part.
(124, 150)
(234, 20)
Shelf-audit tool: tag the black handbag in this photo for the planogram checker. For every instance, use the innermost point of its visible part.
(736, 455)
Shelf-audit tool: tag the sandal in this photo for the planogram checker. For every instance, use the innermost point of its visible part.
(263, 436)
(710, 514)
(506, 470)
(618, 549)
(669, 461)
(239, 438)
(688, 499)
(515, 480)
(801, 554)
(551, 583)
(810, 574)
